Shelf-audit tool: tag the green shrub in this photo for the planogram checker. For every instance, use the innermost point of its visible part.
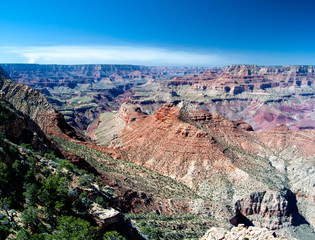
(23, 235)
(66, 164)
(53, 195)
(113, 235)
(30, 194)
(4, 231)
(86, 180)
(72, 228)
(82, 203)
(27, 146)
(50, 155)
(101, 201)
(152, 233)
(30, 219)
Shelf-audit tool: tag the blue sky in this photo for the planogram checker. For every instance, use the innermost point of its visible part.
(158, 32)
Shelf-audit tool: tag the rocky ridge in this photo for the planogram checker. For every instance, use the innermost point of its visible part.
(35, 105)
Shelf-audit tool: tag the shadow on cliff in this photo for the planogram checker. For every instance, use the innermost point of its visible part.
(291, 211)
(241, 219)
(297, 218)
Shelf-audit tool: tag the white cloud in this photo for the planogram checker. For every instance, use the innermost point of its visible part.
(115, 55)
(130, 54)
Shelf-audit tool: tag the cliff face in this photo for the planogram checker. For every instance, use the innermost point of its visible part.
(268, 208)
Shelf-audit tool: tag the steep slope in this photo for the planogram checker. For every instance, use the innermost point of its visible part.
(35, 105)
(45, 197)
(19, 128)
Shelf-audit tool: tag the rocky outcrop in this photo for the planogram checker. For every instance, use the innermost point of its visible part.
(163, 135)
(105, 217)
(240, 232)
(109, 218)
(268, 209)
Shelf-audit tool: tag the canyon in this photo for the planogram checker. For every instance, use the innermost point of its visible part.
(264, 97)
(233, 144)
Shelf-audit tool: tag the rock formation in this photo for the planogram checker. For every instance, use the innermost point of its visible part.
(240, 232)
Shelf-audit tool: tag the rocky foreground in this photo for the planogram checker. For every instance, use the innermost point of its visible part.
(241, 232)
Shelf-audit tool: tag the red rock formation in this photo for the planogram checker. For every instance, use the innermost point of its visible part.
(181, 145)
(204, 151)
(281, 138)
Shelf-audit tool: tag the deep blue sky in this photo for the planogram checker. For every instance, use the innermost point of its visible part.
(218, 31)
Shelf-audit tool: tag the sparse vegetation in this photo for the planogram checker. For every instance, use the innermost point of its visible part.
(144, 179)
(178, 226)
(41, 197)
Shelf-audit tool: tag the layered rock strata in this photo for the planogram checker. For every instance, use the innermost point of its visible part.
(247, 175)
